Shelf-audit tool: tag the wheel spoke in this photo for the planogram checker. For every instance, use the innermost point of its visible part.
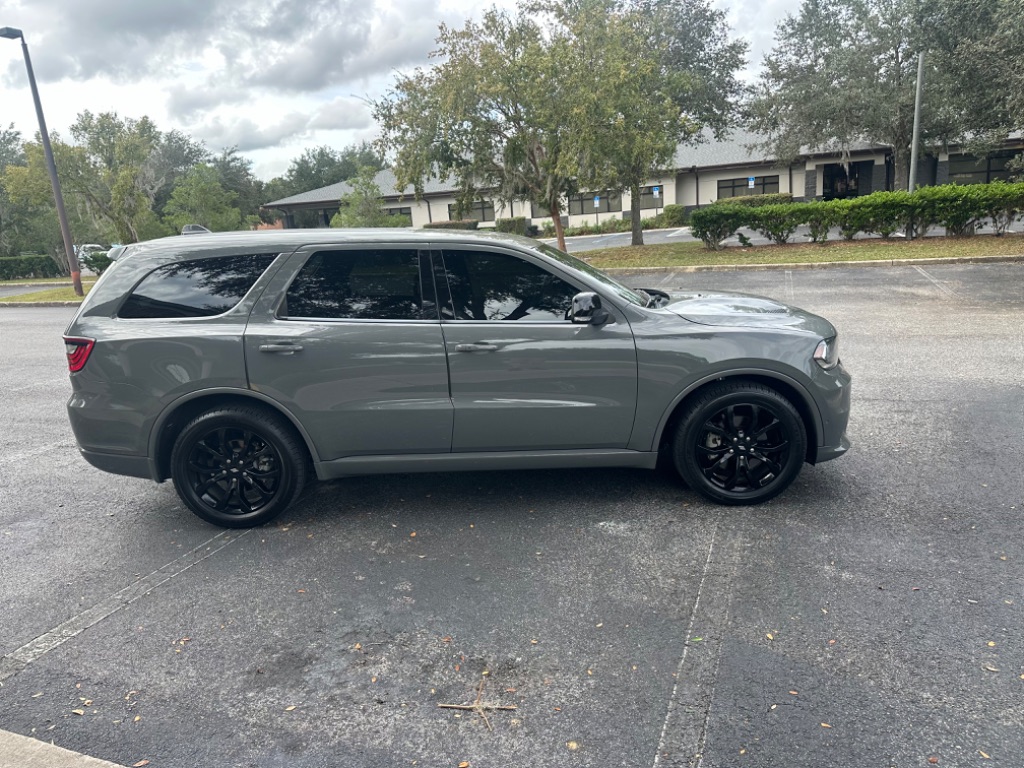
(265, 494)
(773, 448)
(761, 432)
(211, 481)
(202, 446)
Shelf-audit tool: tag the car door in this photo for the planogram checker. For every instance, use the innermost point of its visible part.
(523, 377)
(348, 339)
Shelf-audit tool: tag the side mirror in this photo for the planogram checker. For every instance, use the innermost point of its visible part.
(587, 310)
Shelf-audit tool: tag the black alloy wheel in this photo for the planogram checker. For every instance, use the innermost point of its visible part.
(238, 467)
(740, 443)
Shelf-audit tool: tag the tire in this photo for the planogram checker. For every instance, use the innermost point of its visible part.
(739, 443)
(239, 467)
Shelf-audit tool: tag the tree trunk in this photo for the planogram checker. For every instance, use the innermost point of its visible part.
(556, 217)
(901, 169)
(634, 214)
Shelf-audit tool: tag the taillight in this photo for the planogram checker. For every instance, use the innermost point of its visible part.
(78, 352)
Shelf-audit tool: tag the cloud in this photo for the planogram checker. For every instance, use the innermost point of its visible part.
(248, 135)
(343, 114)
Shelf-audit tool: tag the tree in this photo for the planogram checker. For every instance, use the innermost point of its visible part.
(11, 154)
(320, 167)
(844, 71)
(362, 207)
(200, 199)
(655, 73)
(235, 175)
(494, 114)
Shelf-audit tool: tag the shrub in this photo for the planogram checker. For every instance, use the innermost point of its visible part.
(777, 222)
(714, 223)
(95, 261)
(882, 213)
(674, 216)
(516, 225)
(820, 217)
(460, 224)
(29, 266)
(1003, 203)
(756, 201)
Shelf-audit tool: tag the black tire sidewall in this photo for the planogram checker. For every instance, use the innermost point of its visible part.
(270, 429)
(684, 450)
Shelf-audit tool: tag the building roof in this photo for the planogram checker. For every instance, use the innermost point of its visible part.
(385, 181)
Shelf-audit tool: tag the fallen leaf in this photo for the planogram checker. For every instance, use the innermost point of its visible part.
(743, 751)
(359, 646)
(301, 591)
(456, 667)
(510, 690)
(792, 693)
(290, 708)
(78, 711)
(137, 718)
(825, 725)
(915, 589)
(987, 757)
(37, 695)
(696, 639)
(991, 644)
(990, 668)
(572, 745)
(88, 702)
(464, 764)
(534, 642)
(590, 672)
(446, 639)
(933, 760)
(769, 636)
(773, 706)
(831, 642)
(412, 535)
(599, 625)
(374, 679)
(140, 763)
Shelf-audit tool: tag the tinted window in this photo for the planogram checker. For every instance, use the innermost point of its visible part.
(358, 285)
(199, 288)
(495, 286)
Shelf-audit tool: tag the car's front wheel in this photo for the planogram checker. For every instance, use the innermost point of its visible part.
(739, 443)
(238, 467)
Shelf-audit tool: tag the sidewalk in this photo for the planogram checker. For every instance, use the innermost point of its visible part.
(24, 752)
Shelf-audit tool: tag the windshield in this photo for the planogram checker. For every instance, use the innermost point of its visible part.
(571, 261)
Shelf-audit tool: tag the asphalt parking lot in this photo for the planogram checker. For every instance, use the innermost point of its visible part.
(870, 616)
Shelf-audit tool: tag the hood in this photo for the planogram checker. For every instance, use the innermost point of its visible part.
(744, 310)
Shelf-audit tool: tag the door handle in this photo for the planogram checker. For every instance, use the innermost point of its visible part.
(476, 347)
(286, 348)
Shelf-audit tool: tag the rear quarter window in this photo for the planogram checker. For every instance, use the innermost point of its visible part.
(196, 288)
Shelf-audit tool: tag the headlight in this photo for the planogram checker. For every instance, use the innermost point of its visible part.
(826, 354)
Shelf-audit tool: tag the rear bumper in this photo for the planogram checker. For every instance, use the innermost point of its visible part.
(829, 452)
(133, 466)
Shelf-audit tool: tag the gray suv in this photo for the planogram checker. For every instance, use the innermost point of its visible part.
(242, 365)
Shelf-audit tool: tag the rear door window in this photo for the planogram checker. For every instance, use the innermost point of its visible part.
(197, 288)
(363, 284)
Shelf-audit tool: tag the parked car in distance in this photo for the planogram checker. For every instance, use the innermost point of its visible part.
(244, 365)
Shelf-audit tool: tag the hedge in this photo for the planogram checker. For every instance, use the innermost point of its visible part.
(958, 209)
(463, 224)
(516, 226)
(675, 216)
(756, 201)
(21, 267)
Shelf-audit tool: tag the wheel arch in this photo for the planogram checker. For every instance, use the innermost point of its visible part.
(784, 385)
(184, 409)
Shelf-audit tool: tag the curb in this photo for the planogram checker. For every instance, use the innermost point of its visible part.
(18, 751)
(811, 265)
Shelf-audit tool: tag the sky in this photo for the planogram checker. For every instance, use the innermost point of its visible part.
(272, 77)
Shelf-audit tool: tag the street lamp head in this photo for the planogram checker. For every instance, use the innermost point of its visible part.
(11, 33)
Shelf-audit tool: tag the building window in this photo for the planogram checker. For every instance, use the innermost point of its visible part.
(539, 211)
(763, 185)
(649, 198)
(968, 169)
(399, 212)
(479, 210)
(594, 202)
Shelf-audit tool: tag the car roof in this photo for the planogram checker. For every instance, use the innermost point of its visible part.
(284, 239)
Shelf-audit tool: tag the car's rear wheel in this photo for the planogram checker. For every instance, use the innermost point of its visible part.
(739, 443)
(239, 467)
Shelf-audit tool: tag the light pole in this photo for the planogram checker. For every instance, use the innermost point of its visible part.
(76, 271)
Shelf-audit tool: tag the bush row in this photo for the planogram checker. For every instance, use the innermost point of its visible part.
(21, 267)
(756, 201)
(463, 224)
(958, 209)
(670, 216)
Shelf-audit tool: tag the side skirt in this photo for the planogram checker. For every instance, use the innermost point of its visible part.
(498, 460)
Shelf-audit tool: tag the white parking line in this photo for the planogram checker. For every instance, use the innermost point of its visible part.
(17, 660)
(678, 232)
(936, 283)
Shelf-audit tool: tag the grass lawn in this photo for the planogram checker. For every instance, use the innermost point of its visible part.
(48, 280)
(62, 293)
(685, 254)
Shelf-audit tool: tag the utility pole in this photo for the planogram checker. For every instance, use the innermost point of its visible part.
(917, 122)
(76, 271)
